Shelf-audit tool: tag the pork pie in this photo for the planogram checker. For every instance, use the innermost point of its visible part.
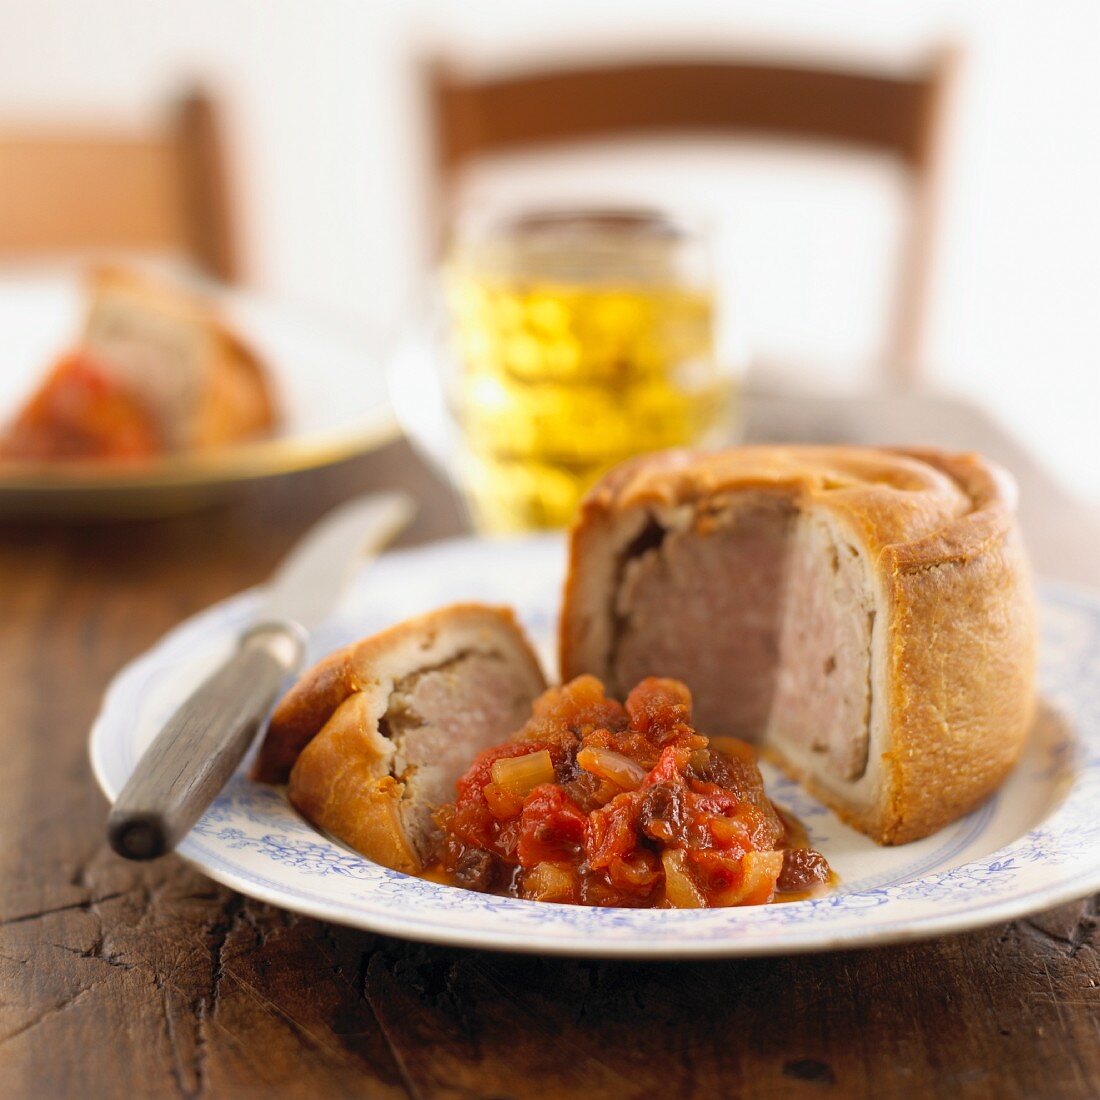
(372, 739)
(202, 385)
(865, 616)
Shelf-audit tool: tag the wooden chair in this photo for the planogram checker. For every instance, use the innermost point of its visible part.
(63, 190)
(895, 115)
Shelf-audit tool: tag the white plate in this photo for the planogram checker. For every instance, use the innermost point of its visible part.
(332, 399)
(1034, 844)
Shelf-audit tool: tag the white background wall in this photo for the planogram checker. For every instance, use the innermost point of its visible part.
(328, 154)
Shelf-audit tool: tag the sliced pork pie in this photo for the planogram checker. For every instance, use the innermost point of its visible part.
(154, 373)
(371, 740)
(864, 616)
(202, 385)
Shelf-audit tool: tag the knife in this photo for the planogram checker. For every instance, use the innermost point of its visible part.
(199, 748)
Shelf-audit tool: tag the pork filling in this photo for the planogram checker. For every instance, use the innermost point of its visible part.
(436, 718)
(766, 613)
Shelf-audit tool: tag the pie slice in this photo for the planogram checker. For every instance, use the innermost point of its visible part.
(371, 741)
(155, 372)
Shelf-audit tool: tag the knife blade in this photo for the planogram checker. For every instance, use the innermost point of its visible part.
(200, 746)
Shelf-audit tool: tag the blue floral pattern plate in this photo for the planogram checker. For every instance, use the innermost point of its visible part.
(1035, 844)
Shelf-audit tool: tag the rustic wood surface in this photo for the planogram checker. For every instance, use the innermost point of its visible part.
(130, 980)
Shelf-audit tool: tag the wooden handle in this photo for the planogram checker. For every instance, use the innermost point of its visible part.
(192, 758)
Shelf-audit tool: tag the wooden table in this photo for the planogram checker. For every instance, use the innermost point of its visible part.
(131, 980)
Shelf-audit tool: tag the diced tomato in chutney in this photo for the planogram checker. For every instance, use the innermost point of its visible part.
(551, 827)
(597, 803)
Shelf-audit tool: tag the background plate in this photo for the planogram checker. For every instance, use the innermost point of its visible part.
(332, 398)
(1036, 843)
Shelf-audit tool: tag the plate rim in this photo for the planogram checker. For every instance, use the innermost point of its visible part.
(241, 462)
(578, 943)
(583, 946)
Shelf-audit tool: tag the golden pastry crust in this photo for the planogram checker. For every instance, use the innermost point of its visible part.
(350, 770)
(955, 682)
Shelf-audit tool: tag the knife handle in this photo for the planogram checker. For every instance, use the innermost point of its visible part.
(199, 748)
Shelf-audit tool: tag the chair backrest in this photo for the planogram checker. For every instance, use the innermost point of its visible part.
(899, 116)
(164, 190)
